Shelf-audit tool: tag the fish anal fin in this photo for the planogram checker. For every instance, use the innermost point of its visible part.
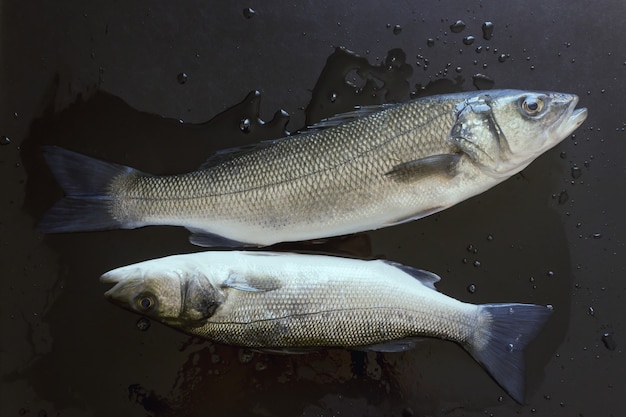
(211, 240)
(399, 345)
(411, 171)
(416, 216)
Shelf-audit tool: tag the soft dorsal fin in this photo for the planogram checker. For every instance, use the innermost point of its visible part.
(357, 113)
(427, 278)
(223, 155)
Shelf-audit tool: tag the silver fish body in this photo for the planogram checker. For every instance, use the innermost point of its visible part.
(362, 171)
(275, 301)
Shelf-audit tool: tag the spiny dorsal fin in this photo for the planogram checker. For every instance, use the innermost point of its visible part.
(357, 113)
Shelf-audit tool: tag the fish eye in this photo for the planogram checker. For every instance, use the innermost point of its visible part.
(532, 105)
(145, 302)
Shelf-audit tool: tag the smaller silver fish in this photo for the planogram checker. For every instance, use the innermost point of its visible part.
(284, 301)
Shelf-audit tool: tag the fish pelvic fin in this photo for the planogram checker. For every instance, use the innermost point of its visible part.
(499, 341)
(86, 182)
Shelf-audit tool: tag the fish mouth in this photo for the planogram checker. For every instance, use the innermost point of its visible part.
(122, 286)
(578, 116)
(573, 117)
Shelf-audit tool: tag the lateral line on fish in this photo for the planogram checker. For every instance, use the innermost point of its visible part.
(433, 314)
(341, 163)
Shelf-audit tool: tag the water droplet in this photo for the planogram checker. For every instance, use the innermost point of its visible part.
(143, 324)
(479, 49)
(609, 342)
(333, 97)
(249, 13)
(591, 311)
(563, 155)
(16, 115)
(397, 29)
(489, 238)
(245, 355)
(502, 57)
(5, 140)
(510, 347)
(550, 274)
(482, 82)
(430, 42)
(458, 69)
(597, 236)
(563, 197)
(576, 172)
(477, 263)
(471, 288)
(487, 30)
(470, 247)
(245, 125)
(468, 40)
(457, 26)
(182, 78)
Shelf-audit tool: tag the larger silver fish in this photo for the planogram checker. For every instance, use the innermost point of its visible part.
(360, 171)
(273, 301)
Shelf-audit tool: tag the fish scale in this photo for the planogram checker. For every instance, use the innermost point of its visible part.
(286, 171)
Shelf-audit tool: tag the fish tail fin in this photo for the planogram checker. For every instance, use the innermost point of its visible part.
(87, 202)
(499, 342)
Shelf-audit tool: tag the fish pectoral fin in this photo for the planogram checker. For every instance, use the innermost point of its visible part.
(442, 164)
(427, 278)
(399, 345)
(210, 240)
(251, 283)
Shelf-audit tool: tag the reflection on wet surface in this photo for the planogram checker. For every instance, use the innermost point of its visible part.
(165, 373)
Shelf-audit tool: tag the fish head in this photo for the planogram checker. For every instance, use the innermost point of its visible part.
(166, 289)
(505, 130)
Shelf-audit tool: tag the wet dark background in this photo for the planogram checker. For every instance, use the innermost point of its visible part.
(116, 80)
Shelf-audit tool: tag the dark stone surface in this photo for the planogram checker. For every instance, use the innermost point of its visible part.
(105, 79)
